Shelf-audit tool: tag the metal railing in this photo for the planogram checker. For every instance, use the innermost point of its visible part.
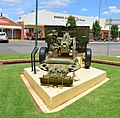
(33, 61)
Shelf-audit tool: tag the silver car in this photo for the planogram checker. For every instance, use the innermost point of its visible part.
(4, 37)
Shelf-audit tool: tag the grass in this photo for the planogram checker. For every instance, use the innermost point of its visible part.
(15, 101)
(107, 58)
(25, 56)
(15, 56)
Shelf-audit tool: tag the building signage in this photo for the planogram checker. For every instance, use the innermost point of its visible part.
(113, 21)
(59, 17)
(65, 18)
(2, 21)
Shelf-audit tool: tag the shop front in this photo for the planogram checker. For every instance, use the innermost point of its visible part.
(57, 19)
(29, 32)
(12, 29)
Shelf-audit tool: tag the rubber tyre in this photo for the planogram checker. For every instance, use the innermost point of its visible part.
(42, 54)
(88, 57)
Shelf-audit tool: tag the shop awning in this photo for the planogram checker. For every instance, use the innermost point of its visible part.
(10, 27)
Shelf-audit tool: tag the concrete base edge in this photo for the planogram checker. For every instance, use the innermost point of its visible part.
(41, 105)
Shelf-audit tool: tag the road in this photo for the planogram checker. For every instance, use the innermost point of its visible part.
(18, 47)
(98, 48)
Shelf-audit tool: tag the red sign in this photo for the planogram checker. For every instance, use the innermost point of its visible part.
(2, 21)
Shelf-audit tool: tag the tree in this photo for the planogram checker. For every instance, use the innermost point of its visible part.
(71, 21)
(96, 29)
(114, 31)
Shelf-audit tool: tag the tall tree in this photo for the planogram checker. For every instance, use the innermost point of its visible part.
(96, 28)
(71, 21)
(114, 31)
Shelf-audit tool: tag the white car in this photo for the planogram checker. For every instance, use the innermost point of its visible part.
(4, 37)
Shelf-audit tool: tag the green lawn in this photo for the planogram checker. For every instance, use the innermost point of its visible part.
(15, 56)
(15, 101)
(107, 58)
(26, 56)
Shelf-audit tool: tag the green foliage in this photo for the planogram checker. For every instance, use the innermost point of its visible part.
(96, 28)
(114, 31)
(71, 21)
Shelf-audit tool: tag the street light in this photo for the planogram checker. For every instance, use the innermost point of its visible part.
(36, 23)
(99, 9)
(110, 20)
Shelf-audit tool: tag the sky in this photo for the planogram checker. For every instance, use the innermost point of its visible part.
(13, 9)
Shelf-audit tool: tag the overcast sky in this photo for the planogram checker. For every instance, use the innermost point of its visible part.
(13, 9)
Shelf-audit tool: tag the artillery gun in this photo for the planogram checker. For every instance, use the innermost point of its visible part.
(60, 57)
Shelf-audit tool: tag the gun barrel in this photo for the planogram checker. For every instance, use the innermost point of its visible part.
(59, 61)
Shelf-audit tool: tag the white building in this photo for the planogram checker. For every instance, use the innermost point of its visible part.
(57, 19)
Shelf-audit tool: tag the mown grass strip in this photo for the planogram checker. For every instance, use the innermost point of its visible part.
(15, 56)
(110, 58)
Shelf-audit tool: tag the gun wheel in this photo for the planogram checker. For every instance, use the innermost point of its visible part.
(88, 56)
(42, 54)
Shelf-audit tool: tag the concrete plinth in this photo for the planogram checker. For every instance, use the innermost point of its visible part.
(54, 97)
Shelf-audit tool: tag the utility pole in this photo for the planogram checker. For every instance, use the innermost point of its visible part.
(109, 37)
(99, 9)
(36, 23)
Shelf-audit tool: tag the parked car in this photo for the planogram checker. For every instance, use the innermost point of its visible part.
(4, 37)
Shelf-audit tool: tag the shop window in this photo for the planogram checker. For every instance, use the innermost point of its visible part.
(14, 33)
(9, 33)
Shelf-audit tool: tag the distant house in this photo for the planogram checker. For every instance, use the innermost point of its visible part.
(13, 30)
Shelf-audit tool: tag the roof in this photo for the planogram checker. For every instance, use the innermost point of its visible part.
(10, 27)
(7, 23)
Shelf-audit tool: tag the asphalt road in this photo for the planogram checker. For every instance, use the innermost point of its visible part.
(18, 47)
(98, 48)
(101, 48)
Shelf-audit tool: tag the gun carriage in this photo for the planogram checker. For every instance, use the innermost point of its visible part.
(60, 57)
